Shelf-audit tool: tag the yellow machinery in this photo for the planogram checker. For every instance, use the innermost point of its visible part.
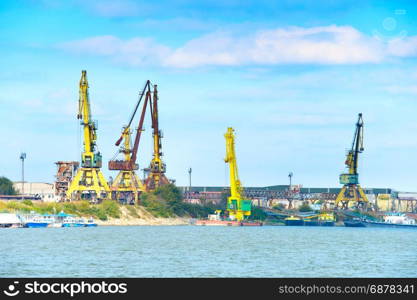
(351, 191)
(88, 183)
(157, 167)
(237, 207)
(127, 186)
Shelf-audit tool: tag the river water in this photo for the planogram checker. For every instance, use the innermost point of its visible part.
(194, 251)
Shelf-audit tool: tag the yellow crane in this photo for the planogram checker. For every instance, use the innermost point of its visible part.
(127, 186)
(237, 206)
(157, 167)
(89, 182)
(351, 190)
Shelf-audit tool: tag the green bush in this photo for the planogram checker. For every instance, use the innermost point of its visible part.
(27, 202)
(305, 207)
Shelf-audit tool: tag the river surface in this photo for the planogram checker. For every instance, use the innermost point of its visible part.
(194, 251)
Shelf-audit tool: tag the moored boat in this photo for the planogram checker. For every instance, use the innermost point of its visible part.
(293, 221)
(390, 220)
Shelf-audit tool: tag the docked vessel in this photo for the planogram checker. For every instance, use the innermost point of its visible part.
(216, 220)
(36, 221)
(293, 221)
(392, 220)
(8, 220)
(323, 219)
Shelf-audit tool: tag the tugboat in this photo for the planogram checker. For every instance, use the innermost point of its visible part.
(293, 221)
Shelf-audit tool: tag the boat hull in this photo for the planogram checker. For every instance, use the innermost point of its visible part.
(35, 225)
(225, 223)
(294, 222)
(72, 225)
(377, 224)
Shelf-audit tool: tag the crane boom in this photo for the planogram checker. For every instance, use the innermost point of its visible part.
(351, 191)
(89, 181)
(237, 207)
(157, 167)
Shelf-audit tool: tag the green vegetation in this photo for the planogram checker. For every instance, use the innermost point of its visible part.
(257, 214)
(6, 187)
(279, 206)
(101, 211)
(305, 207)
(167, 201)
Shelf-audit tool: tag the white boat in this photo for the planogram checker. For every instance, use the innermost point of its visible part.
(8, 220)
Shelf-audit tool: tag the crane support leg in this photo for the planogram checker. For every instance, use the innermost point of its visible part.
(88, 184)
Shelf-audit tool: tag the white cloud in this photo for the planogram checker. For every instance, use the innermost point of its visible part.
(295, 45)
(135, 52)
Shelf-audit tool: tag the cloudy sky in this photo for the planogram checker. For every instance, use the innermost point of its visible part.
(289, 76)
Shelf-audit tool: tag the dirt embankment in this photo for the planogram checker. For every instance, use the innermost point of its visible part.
(131, 216)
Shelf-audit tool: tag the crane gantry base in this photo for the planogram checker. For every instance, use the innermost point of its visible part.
(88, 184)
(351, 194)
(155, 180)
(127, 187)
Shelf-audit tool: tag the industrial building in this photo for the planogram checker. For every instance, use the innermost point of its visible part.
(382, 199)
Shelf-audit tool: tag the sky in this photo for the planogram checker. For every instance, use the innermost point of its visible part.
(289, 76)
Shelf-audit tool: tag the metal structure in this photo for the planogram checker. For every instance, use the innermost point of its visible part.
(237, 206)
(66, 171)
(22, 158)
(157, 168)
(89, 182)
(127, 186)
(351, 190)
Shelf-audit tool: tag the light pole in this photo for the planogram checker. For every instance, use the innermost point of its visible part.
(290, 177)
(290, 174)
(23, 157)
(189, 177)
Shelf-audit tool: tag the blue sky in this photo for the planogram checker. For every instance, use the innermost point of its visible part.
(289, 76)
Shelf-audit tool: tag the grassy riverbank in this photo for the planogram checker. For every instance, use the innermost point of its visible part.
(165, 206)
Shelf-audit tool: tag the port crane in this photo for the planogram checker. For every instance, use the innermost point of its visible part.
(156, 171)
(351, 190)
(237, 206)
(89, 182)
(127, 186)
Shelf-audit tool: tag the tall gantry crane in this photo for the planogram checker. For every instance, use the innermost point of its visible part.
(127, 186)
(89, 182)
(237, 206)
(157, 168)
(351, 190)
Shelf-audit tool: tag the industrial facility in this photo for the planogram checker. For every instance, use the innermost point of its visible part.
(84, 180)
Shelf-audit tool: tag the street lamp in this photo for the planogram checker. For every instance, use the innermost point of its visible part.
(189, 189)
(23, 157)
(290, 177)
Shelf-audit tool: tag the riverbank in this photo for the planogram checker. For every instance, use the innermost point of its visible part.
(108, 213)
(137, 216)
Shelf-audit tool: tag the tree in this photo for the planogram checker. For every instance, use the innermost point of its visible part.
(6, 187)
(305, 207)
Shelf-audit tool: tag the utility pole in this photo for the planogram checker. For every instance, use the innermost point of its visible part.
(23, 157)
(189, 189)
(290, 174)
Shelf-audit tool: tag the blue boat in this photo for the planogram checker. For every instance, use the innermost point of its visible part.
(36, 221)
(90, 223)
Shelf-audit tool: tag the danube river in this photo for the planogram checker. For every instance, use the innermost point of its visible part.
(193, 251)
